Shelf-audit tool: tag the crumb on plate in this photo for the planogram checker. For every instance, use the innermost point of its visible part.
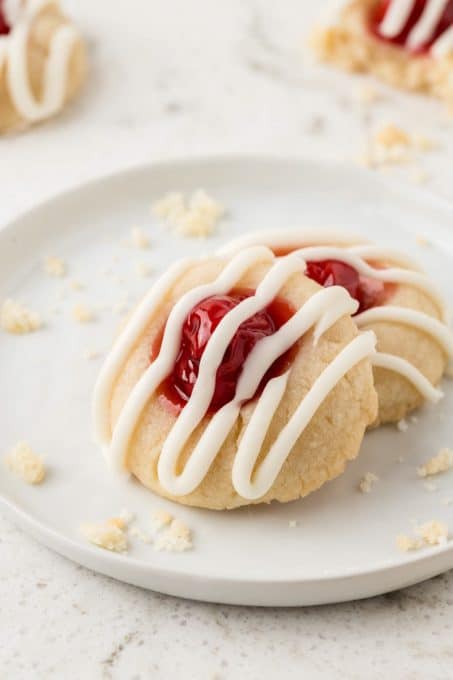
(107, 535)
(26, 464)
(16, 318)
(197, 216)
(442, 462)
(367, 482)
(55, 267)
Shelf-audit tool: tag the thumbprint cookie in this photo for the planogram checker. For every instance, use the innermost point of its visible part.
(237, 380)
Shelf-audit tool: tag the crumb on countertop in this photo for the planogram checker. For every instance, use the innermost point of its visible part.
(26, 464)
(139, 238)
(367, 482)
(196, 216)
(55, 266)
(442, 462)
(82, 314)
(16, 318)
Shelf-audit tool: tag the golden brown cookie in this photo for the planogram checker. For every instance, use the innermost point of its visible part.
(280, 411)
(42, 62)
(407, 44)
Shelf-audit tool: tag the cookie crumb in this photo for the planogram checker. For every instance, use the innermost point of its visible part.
(55, 267)
(26, 464)
(160, 519)
(442, 462)
(127, 515)
(390, 136)
(76, 284)
(177, 538)
(368, 94)
(196, 217)
(293, 523)
(82, 314)
(407, 543)
(108, 536)
(433, 532)
(136, 532)
(402, 425)
(17, 319)
(139, 238)
(367, 482)
(143, 270)
(91, 354)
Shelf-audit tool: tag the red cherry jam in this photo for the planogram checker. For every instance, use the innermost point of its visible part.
(4, 26)
(198, 328)
(381, 9)
(367, 291)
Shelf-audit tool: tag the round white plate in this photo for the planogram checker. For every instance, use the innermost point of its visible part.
(343, 546)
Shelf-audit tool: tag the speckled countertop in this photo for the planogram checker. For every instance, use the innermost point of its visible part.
(189, 78)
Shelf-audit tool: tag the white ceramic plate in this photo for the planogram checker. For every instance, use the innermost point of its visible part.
(343, 546)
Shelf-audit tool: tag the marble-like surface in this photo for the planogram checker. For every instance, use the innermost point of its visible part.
(188, 78)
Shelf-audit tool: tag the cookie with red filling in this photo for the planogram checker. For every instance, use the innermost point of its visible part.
(408, 44)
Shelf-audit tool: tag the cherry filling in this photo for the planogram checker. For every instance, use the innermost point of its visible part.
(4, 26)
(198, 328)
(380, 11)
(367, 291)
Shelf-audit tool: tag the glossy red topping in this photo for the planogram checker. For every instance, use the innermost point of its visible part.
(4, 26)
(198, 328)
(380, 11)
(368, 292)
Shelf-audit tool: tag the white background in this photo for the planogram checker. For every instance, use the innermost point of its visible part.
(172, 79)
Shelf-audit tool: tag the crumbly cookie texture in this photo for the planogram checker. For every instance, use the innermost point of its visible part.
(367, 482)
(427, 534)
(331, 439)
(347, 43)
(55, 267)
(109, 535)
(18, 319)
(197, 216)
(26, 464)
(442, 462)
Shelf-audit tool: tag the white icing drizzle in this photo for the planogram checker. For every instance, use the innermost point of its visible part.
(356, 256)
(398, 15)
(319, 313)
(14, 57)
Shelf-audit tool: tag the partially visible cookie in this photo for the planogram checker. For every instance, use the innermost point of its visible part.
(42, 62)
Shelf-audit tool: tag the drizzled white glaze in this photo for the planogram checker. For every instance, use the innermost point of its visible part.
(358, 256)
(319, 313)
(14, 58)
(398, 15)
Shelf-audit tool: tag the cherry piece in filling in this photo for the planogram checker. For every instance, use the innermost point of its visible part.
(4, 26)
(380, 11)
(368, 292)
(198, 328)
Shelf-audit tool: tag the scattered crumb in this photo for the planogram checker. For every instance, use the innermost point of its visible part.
(422, 143)
(414, 419)
(390, 136)
(427, 534)
(82, 314)
(430, 486)
(117, 522)
(76, 285)
(197, 216)
(177, 538)
(91, 354)
(25, 463)
(17, 319)
(55, 266)
(108, 536)
(293, 523)
(442, 462)
(433, 532)
(127, 515)
(161, 519)
(402, 425)
(368, 94)
(139, 238)
(143, 270)
(367, 482)
(136, 532)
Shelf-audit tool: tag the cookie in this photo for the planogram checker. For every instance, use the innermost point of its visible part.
(406, 43)
(42, 62)
(397, 301)
(236, 381)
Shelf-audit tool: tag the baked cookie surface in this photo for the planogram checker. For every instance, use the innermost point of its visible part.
(42, 62)
(293, 416)
(406, 43)
(397, 301)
